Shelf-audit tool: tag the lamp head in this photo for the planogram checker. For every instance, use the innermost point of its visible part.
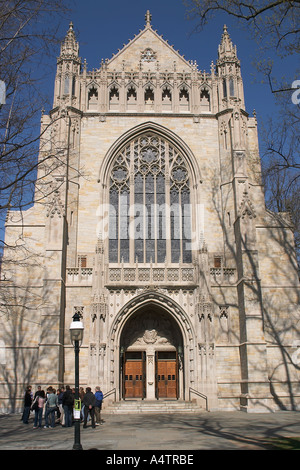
(76, 329)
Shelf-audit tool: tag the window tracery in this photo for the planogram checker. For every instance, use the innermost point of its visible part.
(114, 97)
(131, 95)
(166, 95)
(92, 98)
(184, 98)
(205, 99)
(149, 196)
(66, 85)
(148, 55)
(149, 95)
(231, 87)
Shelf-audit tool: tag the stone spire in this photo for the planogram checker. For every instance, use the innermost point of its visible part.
(148, 18)
(228, 71)
(226, 50)
(69, 47)
(66, 90)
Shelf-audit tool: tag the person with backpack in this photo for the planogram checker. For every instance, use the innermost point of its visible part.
(38, 408)
(98, 405)
(68, 402)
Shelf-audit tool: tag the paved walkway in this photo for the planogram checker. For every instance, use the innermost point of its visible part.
(137, 432)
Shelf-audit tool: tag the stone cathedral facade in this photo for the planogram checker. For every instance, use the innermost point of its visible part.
(149, 219)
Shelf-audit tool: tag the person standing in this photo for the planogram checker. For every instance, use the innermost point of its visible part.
(81, 396)
(60, 406)
(37, 393)
(27, 405)
(89, 407)
(52, 401)
(40, 398)
(98, 405)
(67, 402)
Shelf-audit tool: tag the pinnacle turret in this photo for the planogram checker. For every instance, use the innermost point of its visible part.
(227, 51)
(226, 48)
(69, 46)
(228, 69)
(68, 71)
(148, 18)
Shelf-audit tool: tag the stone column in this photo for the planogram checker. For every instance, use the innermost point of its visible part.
(254, 373)
(150, 374)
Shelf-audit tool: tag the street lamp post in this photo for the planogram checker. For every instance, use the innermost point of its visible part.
(76, 333)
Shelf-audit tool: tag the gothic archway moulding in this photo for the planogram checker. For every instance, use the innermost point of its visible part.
(157, 298)
(160, 131)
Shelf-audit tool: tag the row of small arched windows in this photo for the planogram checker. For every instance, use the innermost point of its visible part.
(131, 97)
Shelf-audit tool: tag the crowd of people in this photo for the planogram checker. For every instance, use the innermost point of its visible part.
(56, 406)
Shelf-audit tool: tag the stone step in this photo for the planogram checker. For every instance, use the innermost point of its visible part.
(149, 406)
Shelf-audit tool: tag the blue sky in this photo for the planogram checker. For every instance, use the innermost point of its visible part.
(103, 27)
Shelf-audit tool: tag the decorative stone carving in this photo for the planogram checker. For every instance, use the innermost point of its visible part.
(150, 336)
(100, 308)
(55, 207)
(246, 208)
(148, 328)
(206, 349)
(148, 55)
(79, 310)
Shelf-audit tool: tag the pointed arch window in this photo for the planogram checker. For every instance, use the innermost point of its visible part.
(73, 86)
(149, 95)
(166, 95)
(205, 99)
(114, 97)
(131, 98)
(66, 85)
(131, 95)
(184, 98)
(166, 98)
(149, 201)
(231, 87)
(93, 98)
(224, 88)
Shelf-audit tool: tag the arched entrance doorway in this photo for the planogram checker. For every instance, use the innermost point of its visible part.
(151, 364)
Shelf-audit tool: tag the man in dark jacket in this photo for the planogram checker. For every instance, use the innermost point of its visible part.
(67, 402)
(27, 405)
(89, 402)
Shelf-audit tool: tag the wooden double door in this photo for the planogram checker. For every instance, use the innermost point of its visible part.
(134, 374)
(166, 374)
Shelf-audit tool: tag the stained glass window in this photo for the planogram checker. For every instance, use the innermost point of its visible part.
(149, 196)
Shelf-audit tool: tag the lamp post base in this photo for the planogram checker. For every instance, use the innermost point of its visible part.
(77, 445)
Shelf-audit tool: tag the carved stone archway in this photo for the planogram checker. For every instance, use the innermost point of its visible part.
(151, 345)
(153, 322)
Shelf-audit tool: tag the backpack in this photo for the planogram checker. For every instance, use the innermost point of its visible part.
(69, 399)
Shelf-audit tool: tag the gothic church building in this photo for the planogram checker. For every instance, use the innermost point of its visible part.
(149, 220)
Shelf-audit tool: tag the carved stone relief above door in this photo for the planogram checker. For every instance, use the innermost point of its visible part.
(150, 327)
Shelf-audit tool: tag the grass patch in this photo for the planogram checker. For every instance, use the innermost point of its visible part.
(284, 443)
